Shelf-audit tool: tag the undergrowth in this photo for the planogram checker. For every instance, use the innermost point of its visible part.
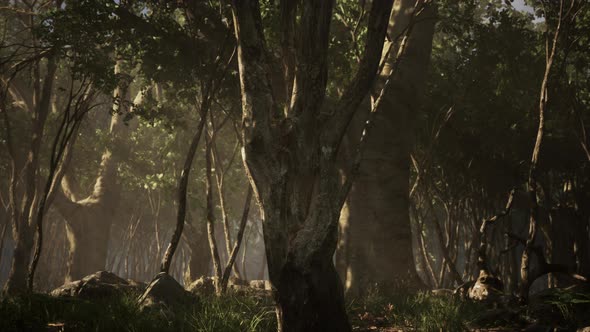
(420, 312)
(373, 311)
(214, 314)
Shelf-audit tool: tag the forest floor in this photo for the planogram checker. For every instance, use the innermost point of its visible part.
(552, 310)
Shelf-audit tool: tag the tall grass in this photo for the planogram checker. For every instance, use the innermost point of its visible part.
(212, 314)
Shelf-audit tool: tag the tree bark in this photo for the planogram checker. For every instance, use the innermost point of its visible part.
(290, 157)
(377, 218)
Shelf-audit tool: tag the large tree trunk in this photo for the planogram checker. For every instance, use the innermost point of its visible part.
(290, 154)
(312, 299)
(376, 216)
(89, 220)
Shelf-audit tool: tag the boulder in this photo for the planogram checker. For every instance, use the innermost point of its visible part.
(98, 284)
(261, 284)
(238, 282)
(203, 286)
(164, 292)
(486, 288)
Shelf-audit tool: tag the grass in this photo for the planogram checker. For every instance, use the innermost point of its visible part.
(420, 312)
(409, 312)
(568, 306)
(230, 313)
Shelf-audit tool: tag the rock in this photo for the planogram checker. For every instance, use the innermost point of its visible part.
(463, 290)
(583, 329)
(99, 284)
(139, 284)
(238, 282)
(261, 284)
(203, 286)
(206, 286)
(67, 290)
(164, 292)
(486, 288)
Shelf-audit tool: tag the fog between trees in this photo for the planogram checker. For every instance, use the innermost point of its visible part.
(331, 148)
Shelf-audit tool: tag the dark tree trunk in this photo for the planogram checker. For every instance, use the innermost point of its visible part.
(21, 259)
(312, 300)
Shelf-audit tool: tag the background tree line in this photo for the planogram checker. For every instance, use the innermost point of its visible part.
(374, 138)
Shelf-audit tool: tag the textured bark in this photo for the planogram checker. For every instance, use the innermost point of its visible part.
(290, 156)
(377, 220)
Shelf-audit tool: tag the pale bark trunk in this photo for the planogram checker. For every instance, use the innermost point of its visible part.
(377, 218)
(88, 221)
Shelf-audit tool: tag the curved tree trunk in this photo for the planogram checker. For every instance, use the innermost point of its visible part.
(89, 220)
(376, 215)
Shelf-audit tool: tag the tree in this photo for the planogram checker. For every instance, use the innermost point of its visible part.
(89, 219)
(377, 238)
(33, 188)
(290, 151)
